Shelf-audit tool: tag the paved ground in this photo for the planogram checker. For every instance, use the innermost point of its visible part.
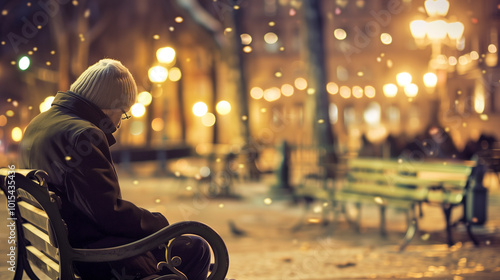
(267, 248)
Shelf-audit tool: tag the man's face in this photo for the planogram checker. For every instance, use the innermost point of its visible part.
(116, 116)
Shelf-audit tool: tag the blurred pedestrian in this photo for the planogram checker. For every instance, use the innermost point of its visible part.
(71, 143)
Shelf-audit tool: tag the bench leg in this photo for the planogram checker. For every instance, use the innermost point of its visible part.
(412, 228)
(358, 218)
(410, 233)
(471, 235)
(447, 215)
(383, 231)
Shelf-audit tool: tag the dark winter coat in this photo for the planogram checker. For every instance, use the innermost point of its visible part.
(71, 142)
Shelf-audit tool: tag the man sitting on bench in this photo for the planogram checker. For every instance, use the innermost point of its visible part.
(71, 143)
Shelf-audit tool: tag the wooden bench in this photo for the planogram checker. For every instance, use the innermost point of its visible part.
(42, 238)
(405, 185)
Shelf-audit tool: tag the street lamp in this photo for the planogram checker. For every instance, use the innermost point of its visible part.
(437, 30)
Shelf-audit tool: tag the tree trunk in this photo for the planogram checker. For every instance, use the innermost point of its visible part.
(323, 134)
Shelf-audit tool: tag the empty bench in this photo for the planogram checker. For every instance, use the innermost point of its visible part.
(404, 185)
(42, 238)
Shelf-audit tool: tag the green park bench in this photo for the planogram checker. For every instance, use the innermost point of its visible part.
(42, 238)
(402, 185)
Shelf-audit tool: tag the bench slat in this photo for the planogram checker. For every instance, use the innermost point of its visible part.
(422, 181)
(463, 167)
(34, 215)
(40, 239)
(44, 263)
(417, 194)
(370, 199)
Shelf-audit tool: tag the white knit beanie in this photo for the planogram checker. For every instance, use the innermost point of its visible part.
(108, 84)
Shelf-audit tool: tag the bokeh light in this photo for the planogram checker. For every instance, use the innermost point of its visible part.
(200, 109)
(300, 83)
(158, 74)
(17, 134)
(3, 120)
(345, 91)
(138, 110)
(287, 89)
(174, 74)
(223, 107)
(332, 88)
(136, 128)
(256, 93)
(246, 39)
(272, 94)
(390, 90)
(24, 63)
(208, 119)
(165, 55)
(145, 98)
(157, 124)
(340, 34)
(271, 38)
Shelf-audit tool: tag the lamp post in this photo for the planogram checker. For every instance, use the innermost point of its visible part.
(436, 30)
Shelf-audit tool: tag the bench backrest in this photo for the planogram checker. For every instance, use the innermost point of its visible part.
(442, 181)
(46, 243)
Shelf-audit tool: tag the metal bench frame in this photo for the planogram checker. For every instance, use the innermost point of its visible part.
(404, 190)
(31, 188)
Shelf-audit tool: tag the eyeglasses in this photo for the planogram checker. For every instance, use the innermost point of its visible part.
(126, 117)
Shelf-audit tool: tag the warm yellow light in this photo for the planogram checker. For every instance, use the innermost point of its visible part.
(138, 110)
(403, 78)
(332, 88)
(455, 30)
(474, 55)
(136, 128)
(300, 83)
(272, 94)
(17, 134)
(179, 19)
(452, 60)
(418, 29)
(411, 90)
(208, 119)
(370, 91)
(200, 109)
(287, 90)
(437, 7)
(46, 104)
(357, 91)
(246, 39)
(223, 107)
(3, 120)
(9, 113)
(157, 124)
(165, 55)
(430, 80)
(340, 34)
(492, 48)
(437, 29)
(247, 49)
(345, 91)
(174, 74)
(271, 38)
(158, 74)
(386, 38)
(256, 93)
(145, 98)
(390, 90)
(479, 98)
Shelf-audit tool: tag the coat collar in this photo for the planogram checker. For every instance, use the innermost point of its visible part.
(86, 110)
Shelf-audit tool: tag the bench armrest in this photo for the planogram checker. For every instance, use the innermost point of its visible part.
(158, 239)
